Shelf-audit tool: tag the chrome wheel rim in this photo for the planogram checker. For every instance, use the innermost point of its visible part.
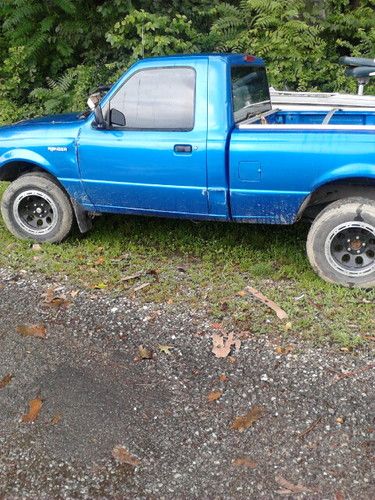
(35, 212)
(350, 249)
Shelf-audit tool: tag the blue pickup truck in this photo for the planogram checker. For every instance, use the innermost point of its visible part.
(197, 137)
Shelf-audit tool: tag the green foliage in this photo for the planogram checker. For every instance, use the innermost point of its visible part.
(143, 33)
(53, 52)
(299, 42)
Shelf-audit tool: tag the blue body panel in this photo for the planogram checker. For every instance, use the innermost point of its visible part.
(257, 173)
(273, 170)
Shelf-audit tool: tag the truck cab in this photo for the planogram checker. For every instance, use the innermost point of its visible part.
(197, 137)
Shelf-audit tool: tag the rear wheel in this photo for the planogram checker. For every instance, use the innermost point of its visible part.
(35, 207)
(341, 243)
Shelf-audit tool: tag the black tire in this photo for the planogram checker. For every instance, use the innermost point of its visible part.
(34, 207)
(341, 243)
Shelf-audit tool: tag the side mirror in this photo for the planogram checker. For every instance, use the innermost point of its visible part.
(93, 100)
(117, 118)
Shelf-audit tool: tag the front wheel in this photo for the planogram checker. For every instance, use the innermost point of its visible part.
(341, 243)
(34, 207)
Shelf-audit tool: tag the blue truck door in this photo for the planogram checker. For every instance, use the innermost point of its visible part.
(156, 162)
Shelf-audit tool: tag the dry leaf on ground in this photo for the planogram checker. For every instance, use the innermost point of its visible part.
(56, 419)
(35, 405)
(166, 349)
(214, 395)
(244, 462)
(145, 353)
(244, 422)
(223, 378)
(284, 349)
(280, 313)
(38, 331)
(222, 344)
(289, 488)
(121, 454)
(5, 380)
(52, 299)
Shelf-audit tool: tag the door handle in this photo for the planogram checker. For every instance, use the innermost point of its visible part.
(183, 148)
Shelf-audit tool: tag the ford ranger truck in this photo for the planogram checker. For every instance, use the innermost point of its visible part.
(196, 137)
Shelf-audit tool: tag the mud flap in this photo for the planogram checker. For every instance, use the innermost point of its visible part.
(83, 220)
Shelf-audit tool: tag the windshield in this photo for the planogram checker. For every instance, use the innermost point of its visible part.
(250, 91)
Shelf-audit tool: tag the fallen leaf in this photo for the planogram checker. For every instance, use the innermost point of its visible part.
(217, 326)
(288, 326)
(214, 395)
(36, 247)
(35, 405)
(56, 419)
(6, 380)
(100, 261)
(280, 313)
(340, 420)
(100, 286)
(121, 454)
(38, 331)
(244, 462)
(145, 353)
(222, 344)
(339, 495)
(290, 488)
(242, 293)
(52, 300)
(74, 293)
(246, 421)
(166, 349)
(284, 350)
(154, 273)
(223, 378)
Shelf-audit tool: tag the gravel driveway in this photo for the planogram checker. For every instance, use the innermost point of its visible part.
(308, 430)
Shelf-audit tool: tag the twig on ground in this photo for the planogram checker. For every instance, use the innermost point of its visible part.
(310, 428)
(341, 375)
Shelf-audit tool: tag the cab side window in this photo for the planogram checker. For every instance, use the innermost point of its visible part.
(158, 99)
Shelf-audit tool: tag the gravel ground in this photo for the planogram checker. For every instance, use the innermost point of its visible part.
(315, 437)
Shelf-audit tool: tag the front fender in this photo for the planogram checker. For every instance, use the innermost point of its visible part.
(60, 162)
(25, 155)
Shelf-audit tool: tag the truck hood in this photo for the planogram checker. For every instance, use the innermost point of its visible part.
(35, 127)
(50, 120)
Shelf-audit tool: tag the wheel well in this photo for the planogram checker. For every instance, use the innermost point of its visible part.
(13, 170)
(333, 191)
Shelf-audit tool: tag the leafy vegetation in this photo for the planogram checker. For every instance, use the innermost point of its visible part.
(53, 52)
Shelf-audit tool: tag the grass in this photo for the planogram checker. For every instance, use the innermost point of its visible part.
(206, 265)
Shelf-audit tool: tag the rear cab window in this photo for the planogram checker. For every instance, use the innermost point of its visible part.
(250, 91)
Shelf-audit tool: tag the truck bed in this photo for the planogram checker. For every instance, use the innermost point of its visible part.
(305, 117)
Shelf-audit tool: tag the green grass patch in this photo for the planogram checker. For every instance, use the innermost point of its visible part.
(206, 265)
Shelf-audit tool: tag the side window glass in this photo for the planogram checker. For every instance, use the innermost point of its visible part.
(158, 99)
